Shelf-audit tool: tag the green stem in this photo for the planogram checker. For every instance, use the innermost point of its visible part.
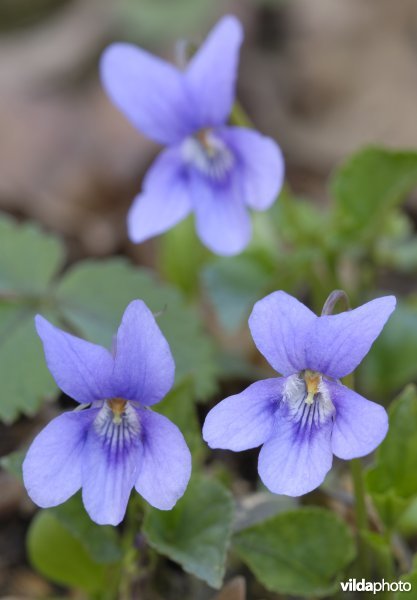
(130, 566)
(240, 117)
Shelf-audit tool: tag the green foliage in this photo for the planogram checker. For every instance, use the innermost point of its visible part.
(392, 362)
(181, 257)
(101, 542)
(93, 295)
(63, 557)
(368, 185)
(150, 20)
(234, 286)
(29, 259)
(392, 481)
(13, 462)
(196, 532)
(300, 552)
(89, 300)
(410, 577)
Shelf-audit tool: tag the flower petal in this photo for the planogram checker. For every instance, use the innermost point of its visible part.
(360, 425)
(222, 220)
(80, 369)
(166, 464)
(245, 420)
(165, 199)
(149, 91)
(261, 165)
(295, 459)
(280, 326)
(52, 467)
(144, 369)
(338, 343)
(111, 461)
(212, 72)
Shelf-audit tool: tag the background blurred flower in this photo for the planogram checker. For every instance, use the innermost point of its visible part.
(116, 443)
(306, 416)
(209, 168)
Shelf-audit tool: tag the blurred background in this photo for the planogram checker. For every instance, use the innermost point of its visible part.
(323, 78)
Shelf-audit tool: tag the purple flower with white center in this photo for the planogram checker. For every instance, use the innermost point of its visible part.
(210, 168)
(304, 417)
(117, 442)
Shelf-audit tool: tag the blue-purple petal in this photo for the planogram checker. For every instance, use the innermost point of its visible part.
(149, 91)
(294, 461)
(244, 420)
(111, 461)
(222, 220)
(260, 163)
(166, 463)
(165, 199)
(280, 327)
(338, 343)
(144, 368)
(360, 425)
(82, 370)
(212, 72)
(52, 467)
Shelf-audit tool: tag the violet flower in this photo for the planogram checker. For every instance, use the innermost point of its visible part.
(210, 168)
(306, 416)
(116, 443)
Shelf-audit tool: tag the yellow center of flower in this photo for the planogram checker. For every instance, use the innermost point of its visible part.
(203, 136)
(118, 407)
(312, 380)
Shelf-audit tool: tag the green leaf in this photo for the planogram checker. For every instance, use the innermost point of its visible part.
(61, 557)
(392, 362)
(391, 481)
(260, 506)
(24, 378)
(369, 184)
(234, 286)
(411, 578)
(181, 256)
(29, 259)
(94, 294)
(300, 552)
(196, 532)
(380, 550)
(100, 541)
(396, 458)
(407, 524)
(13, 462)
(390, 506)
(148, 20)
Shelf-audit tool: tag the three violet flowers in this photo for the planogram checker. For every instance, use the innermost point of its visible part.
(114, 442)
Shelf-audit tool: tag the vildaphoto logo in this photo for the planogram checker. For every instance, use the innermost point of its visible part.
(361, 585)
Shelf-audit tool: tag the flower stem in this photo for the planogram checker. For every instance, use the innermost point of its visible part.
(240, 117)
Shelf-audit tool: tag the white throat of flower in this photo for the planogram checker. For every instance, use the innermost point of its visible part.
(308, 399)
(117, 423)
(207, 153)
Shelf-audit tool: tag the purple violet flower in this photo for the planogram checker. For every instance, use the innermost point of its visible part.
(210, 168)
(116, 443)
(306, 416)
